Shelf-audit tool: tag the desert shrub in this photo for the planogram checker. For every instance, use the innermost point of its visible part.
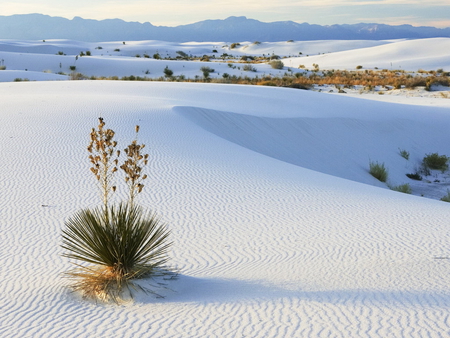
(249, 68)
(77, 76)
(415, 176)
(436, 161)
(88, 53)
(359, 67)
(119, 243)
(157, 56)
(2, 67)
(446, 198)
(276, 64)
(73, 68)
(225, 75)
(234, 45)
(207, 69)
(168, 72)
(138, 55)
(378, 171)
(404, 153)
(247, 58)
(404, 188)
(117, 50)
(123, 244)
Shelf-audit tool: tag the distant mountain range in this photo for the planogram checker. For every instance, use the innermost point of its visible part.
(39, 26)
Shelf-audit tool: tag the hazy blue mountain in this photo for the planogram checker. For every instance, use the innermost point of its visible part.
(38, 26)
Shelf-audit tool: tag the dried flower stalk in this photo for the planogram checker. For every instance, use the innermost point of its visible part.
(104, 159)
(133, 168)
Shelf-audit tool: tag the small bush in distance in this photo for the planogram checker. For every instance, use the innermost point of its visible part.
(207, 69)
(404, 188)
(276, 64)
(249, 68)
(378, 171)
(73, 68)
(168, 72)
(436, 161)
(446, 198)
(404, 153)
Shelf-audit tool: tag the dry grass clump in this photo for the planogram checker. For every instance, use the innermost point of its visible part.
(115, 244)
(276, 64)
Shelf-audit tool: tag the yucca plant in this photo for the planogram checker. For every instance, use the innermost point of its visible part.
(126, 245)
(115, 243)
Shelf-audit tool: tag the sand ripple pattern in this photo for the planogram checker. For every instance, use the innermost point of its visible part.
(265, 247)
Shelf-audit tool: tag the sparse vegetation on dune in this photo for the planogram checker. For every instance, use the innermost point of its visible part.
(368, 80)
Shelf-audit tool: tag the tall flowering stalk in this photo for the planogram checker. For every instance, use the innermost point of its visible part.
(104, 159)
(133, 168)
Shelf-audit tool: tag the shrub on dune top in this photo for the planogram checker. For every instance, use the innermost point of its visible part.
(115, 244)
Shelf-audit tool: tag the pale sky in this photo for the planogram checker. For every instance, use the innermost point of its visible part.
(178, 12)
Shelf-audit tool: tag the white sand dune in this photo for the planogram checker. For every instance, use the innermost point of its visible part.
(409, 55)
(278, 228)
(32, 58)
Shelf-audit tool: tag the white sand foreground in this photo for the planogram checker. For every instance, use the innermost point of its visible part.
(278, 228)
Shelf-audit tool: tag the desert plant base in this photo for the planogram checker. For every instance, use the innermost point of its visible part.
(101, 283)
(122, 244)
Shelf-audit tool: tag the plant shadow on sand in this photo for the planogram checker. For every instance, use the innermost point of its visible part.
(187, 289)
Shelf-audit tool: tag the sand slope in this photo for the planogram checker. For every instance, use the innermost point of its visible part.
(266, 247)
